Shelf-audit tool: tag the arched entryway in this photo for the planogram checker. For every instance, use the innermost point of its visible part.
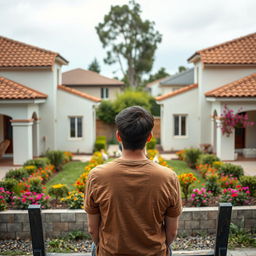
(6, 135)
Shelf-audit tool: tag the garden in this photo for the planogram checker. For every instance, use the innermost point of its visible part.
(55, 181)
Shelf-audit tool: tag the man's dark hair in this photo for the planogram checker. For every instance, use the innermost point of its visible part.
(134, 125)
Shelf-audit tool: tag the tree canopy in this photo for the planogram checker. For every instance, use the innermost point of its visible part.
(130, 41)
(161, 73)
(94, 66)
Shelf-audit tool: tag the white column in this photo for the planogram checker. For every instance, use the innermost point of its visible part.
(35, 137)
(225, 145)
(22, 141)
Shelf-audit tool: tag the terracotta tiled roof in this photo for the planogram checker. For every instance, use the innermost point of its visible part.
(156, 81)
(78, 93)
(10, 90)
(244, 87)
(84, 77)
(18, 54)
(238, 51)
(179, 91)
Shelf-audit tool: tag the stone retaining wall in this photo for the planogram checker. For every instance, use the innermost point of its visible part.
(15, 224)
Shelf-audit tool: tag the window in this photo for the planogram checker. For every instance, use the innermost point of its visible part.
(104, 93)
(76, 127)
(180, 125)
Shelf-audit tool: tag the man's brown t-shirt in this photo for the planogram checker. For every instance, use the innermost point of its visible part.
(132, 197)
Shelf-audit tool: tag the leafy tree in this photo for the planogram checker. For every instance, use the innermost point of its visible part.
(94, 66)
(182, 68)
(106, 112)
(161, 73)
(129, 40)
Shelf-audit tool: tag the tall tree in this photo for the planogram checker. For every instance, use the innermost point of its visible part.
(130, 41)
(94, 66)
(181, 69)
(161, 73)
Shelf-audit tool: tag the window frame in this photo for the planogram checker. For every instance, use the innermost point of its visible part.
(76, 128)
(180, 126)
(104, 93)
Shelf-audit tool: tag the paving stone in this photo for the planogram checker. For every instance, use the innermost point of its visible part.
(67, 217)
(14, 227)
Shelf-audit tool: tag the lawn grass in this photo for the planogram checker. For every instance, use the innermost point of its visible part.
(71, 171)
(181, 167)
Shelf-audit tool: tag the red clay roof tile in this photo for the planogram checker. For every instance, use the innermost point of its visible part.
(244, 87)
(18, 54)
(241, 50)
(179, 91)
(10, 90)
(78, 93)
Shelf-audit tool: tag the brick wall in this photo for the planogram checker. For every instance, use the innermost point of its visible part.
(15, 224)
(108, 130)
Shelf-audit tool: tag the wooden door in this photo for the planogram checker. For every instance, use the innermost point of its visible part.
(239, 137)
(8, 134)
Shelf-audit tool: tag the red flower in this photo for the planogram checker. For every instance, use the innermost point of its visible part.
(234, 195)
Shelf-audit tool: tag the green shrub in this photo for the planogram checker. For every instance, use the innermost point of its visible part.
(106, 112)
(17, 174)
(208, 159)
(248, 181)
(100, 143)
(212, 184)
(38, 162)
(56, 158)
(152, 143)
(77, 235)
(101, 138)
(9, 184)
(58, 190)
(35, 184)
(191, 156)
(229, 169)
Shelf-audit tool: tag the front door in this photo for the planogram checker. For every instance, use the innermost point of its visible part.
(239, 138)
(8, 133)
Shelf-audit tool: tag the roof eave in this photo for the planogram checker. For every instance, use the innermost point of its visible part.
(222, 99)
(194, 58)
(22, 101)
(61, 60)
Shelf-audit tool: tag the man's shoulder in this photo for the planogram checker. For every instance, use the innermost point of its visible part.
(100, 169)
(163, 170)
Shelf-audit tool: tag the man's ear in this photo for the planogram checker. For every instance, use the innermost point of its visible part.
(149, 137)
(118, 136)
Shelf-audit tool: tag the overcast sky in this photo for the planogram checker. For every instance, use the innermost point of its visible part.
(68, 27)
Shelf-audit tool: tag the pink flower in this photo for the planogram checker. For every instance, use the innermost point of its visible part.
(193, 195)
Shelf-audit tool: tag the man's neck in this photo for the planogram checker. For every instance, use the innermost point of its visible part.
(133, 155)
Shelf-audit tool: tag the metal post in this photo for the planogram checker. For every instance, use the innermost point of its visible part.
(224, 219)
(36, 230)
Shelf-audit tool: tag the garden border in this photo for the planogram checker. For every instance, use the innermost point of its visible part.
(14, 224)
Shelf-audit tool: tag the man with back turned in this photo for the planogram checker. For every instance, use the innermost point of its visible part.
(133, 204)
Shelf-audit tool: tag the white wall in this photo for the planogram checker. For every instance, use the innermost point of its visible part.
(72, 105)
(185, 103)
(250, 132)
(44, 81)
(209, 79)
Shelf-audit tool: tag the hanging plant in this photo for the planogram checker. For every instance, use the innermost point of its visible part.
(231, 120)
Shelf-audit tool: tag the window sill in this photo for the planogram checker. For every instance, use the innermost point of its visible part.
(180, 137)
(80, 138)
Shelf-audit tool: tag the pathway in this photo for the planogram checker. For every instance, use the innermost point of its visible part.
(248, 166)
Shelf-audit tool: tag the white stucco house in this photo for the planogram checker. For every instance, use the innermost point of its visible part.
(171, 83)
(92, 83)
(38, 113)
(224, 74)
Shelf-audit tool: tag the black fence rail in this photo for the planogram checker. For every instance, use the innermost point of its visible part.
(221, 243)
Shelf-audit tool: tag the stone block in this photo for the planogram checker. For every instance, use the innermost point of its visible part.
(212, 215)
(247, 214)
(7, 235)
(6, 218)
(20, 218)
(250, 223)
(25, 227)
(52, 217)
(234, 214)
(76, 226)
(192, 224)
(181, 224)
(48, 227)
(81, 217)
(254, 214)
(3, 227)
(200, 215)
(14, 227)
(211, 231)
(186, 216)
(67, 217)
(206, 224)
(60, 226)
(23, 235)
(52, 234)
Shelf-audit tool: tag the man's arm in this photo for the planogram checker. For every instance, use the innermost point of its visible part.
(171, 227)
(93, 226)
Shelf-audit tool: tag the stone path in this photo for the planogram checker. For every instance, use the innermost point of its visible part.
(248, 166)
(82, 158)
(4, 170)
